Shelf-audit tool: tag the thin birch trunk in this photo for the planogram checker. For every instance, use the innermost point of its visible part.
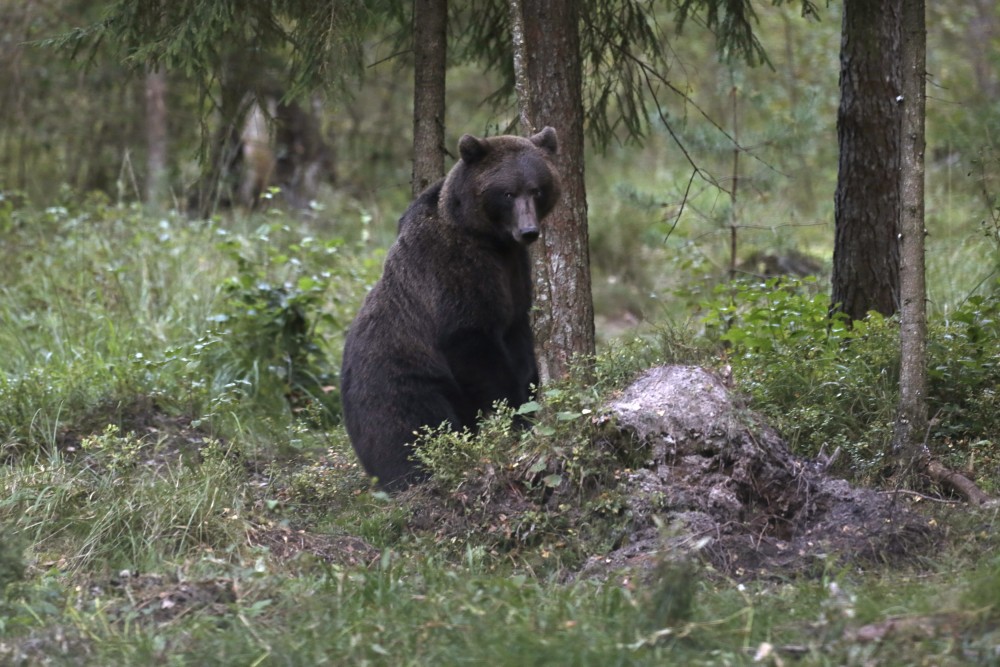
(911, 423)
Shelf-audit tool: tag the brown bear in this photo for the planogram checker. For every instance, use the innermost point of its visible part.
(446, 331)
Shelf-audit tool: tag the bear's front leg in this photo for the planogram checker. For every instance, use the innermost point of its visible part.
(487, 371)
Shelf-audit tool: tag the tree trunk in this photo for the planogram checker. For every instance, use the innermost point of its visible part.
(430, 34)
(156, 137)
(547, 37)
(525, 105)
(218, 184)
(911, 422)
(866, 203)
(909, 438)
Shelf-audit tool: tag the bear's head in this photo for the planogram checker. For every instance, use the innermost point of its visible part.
(504, 186)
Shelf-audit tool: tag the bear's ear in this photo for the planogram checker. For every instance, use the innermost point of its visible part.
(472, 149)
(547, 140)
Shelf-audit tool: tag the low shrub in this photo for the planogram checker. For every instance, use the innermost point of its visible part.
(825, 385)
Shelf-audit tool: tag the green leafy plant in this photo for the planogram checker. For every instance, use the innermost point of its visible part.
(776, 316)
(824, 385)
(270, 332)
(963, 376)
(104, 507)
(451, 456)
(821, 384)
(116, 452)
(541, 496)
(964, 368)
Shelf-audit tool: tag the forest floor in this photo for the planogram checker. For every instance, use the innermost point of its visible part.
(712, 504)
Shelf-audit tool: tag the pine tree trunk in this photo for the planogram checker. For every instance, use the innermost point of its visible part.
(547, 50)
(911, 423)
(430, 34)
(866, 203)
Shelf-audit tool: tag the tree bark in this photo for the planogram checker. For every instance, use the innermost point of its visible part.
(960, 484)
(240, 84)
(909, 437)
(525, 106)
(911, 422)
(549, 44)
(156, 137)
(866, 202)
(430, 35)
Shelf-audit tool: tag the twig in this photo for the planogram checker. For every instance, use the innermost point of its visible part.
(921, 495)
(680, 212)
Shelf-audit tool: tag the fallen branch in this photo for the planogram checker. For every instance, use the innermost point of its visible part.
(958, 483)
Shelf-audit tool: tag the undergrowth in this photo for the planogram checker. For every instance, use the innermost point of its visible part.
(116, 509)
(102, 305)
(176, 487)
(826, 386)
(543, 498)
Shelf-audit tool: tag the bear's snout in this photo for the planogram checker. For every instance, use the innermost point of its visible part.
(529, 235)
(526, 221)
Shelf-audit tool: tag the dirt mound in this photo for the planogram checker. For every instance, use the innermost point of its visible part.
(676, 465)
(727, 485)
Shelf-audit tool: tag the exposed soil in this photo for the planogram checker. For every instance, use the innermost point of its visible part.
(285, 543)
(707, 478)
(701, 477)
(735, 493)
(161, 598)
(167, 437)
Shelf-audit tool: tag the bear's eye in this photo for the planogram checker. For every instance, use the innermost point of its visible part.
(537, 193)
(508, 195)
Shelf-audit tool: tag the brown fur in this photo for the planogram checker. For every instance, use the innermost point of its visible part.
(446, 331)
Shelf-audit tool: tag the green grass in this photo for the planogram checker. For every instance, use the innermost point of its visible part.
(428, 612)
(176, 487)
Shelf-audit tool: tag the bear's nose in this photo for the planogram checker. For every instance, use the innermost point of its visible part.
(529, 235)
